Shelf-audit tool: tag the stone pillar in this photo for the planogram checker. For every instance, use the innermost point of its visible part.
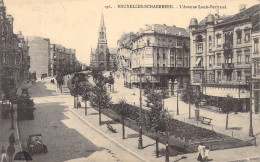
(170, 87)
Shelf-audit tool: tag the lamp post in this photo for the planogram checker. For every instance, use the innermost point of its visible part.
(12, 116)
(167, 154)
(140, 140)
(177, 102)
(176, 86)
(251, 134)
(238, 94)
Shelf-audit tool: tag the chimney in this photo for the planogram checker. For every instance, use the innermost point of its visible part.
(242, 7)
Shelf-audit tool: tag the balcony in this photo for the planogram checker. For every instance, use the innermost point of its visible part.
(228, 66)
(227, 46)
(198, 68)
(160, 70)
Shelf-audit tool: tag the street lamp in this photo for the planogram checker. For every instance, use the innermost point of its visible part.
(167, 154)
(177, 102)
(140, 140)
(251, 134)
(176, 86)
(12, 116)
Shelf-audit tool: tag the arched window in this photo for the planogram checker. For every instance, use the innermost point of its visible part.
(199, 38)
(102, 57)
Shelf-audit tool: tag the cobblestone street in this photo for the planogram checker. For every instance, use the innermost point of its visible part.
(66, 136)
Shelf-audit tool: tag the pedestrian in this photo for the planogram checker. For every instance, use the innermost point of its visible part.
(79, 104)
(201, 149)
(10, 152)
(11, 139)
(206, 155)
(3, 155)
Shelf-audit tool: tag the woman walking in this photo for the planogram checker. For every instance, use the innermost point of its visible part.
(201, 149)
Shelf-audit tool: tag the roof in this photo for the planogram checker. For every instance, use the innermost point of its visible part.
(202, 23)
(164, 29)
(247, 13)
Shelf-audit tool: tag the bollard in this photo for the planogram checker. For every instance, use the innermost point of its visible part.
(197, 123)
(232, 134)
(255, 140)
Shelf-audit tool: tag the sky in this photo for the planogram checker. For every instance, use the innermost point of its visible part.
(75, 23)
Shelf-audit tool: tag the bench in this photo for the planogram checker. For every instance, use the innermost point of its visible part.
(111, 128)
(205, 120)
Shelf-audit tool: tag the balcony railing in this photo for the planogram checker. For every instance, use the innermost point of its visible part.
(160, 70)
(228, 66)
(198, 67)
(227, 46)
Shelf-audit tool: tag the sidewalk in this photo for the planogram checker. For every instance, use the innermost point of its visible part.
(148, 154)
(237, 123)
(6, 132)
(6, 125)
(129, 144)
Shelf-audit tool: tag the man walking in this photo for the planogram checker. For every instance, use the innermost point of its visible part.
(10, 152)
(11, 139)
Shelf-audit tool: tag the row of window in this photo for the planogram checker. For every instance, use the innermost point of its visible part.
(16, 62)
(228, 59)
(228, 39)
(228, 76)
(178, 43)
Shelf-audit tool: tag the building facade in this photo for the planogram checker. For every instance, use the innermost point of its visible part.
(59, 56)
(39, 51)
(160, 53)
(256, 67)
(15, 62)
(221, 55)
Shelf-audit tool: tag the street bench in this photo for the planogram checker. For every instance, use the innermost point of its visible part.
(111, 128)
(205, 120)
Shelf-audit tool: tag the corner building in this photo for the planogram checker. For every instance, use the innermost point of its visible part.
(221, 50)
(160, 53)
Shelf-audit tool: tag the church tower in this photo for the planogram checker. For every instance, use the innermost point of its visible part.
(102, 52)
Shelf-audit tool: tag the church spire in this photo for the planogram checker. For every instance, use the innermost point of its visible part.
(102, 31)
(102, 23)
(1, 2)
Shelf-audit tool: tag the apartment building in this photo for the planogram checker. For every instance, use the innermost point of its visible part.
(160, 53)
(256, 67)
(39, 51)
(14, 59)
(59, 55)
(221, 48)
